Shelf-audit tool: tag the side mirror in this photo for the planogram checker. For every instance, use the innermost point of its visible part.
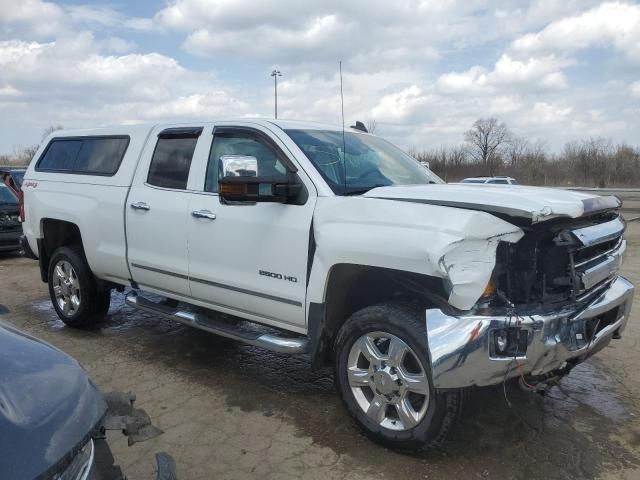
(238, 181)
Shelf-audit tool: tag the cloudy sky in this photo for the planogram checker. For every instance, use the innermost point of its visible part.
(424, 70)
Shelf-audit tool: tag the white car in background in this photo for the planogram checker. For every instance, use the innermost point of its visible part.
(497, 180)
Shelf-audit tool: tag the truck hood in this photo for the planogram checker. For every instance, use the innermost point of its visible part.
(534, 204)
(48, 405)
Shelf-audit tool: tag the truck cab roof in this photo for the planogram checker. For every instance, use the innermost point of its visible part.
(146, 127)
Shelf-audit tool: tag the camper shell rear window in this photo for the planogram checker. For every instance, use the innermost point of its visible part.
(97, 155)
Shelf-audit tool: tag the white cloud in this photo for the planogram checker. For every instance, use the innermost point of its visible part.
(473, 80)
(613, 24)
(371, 35)
(504, 104)
(546, 69)
(70, 73)
(543, 72)
(40, 19)
(399, 105)
(9, 91)
(424, 70)
(199, 105)
(35, 17)
(548, 113)
(105, 17)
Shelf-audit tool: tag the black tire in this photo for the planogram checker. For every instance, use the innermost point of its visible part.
(94, 302)
(407, 323)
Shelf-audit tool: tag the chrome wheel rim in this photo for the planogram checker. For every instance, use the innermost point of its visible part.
(66, 288)
(388, 381)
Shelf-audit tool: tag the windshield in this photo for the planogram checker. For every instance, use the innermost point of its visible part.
(6, 195)
(369, 161)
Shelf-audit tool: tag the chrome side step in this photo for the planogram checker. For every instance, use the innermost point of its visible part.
(294, 345)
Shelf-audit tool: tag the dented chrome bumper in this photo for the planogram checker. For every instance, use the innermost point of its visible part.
(463, 351)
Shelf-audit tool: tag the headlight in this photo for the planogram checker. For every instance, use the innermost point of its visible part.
(80, 465)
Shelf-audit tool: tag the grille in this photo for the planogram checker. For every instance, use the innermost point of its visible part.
(595, 254)
(9, 222)
(565, 260)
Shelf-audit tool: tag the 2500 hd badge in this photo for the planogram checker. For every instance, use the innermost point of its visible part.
(278, 276)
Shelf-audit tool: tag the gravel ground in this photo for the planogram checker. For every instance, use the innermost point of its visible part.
(233, 411)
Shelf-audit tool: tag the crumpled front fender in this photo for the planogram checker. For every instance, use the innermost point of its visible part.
(468, 264)
(457, 245)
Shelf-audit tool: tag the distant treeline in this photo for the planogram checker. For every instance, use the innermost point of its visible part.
(491, 149)
(21, 156)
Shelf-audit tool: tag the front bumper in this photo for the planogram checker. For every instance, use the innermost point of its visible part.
(462, 352)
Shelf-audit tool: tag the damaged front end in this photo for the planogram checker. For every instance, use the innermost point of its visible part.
(555, 299)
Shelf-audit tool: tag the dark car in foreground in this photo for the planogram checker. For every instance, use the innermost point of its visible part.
(12, 177)
(53, 418)
(10, 227)
(49, 411)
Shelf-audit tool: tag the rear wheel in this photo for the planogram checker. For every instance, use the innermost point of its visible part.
(75, 294)
(382, 372)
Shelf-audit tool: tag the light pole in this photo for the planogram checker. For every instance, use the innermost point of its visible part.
(275, 74)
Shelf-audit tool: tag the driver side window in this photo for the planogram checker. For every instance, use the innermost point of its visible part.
(245, 144)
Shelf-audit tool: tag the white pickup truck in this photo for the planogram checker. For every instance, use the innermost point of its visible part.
(333, 244)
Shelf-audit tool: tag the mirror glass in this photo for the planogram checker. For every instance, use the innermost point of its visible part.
(238, 166)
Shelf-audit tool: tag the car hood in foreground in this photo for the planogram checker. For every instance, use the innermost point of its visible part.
(48, 405)
(533, 204)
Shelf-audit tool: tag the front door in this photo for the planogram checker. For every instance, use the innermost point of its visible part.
(250, 258)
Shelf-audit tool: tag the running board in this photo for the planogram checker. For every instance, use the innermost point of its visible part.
(294, 345)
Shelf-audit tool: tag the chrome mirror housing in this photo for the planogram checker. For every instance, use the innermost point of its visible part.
(237, 166)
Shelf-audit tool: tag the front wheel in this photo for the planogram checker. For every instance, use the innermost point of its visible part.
(74, 291)
(382, 372)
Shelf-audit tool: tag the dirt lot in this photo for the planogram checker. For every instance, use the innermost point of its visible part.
(232, 411)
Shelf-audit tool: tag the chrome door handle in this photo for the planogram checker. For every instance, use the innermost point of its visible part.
(204, 214)
(141, 206)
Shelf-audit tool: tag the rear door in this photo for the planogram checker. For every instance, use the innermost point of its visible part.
(157, 211)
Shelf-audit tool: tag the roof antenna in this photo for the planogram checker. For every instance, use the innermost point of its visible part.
(344, 143)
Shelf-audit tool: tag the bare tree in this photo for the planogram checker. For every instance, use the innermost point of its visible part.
(516, 149)
(594, 162)
(22, 155)
(49, 130)
(486, 141)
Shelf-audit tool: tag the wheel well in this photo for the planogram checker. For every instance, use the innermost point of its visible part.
(353, 287)
(56, 234)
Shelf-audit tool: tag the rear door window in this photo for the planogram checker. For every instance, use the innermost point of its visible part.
(172, 157)
(84, 155)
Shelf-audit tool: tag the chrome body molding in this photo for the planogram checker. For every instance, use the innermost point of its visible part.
(461, 351)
